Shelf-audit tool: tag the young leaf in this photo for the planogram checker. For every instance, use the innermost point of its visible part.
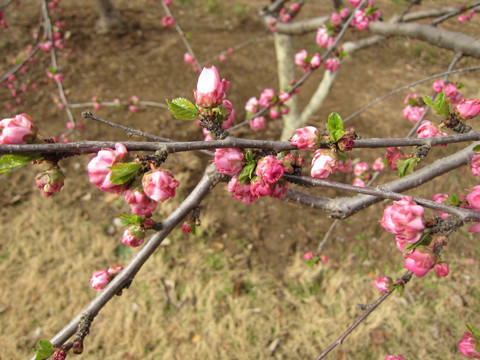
(130, 220)
(249, 157)
(406, 166)
(441, 105)
(473, 330)
(124, 172)
(182, 109)
(452, 200)
(246, 173)
(46, 350)
(335, 127)
(476, 148)
(8, 162)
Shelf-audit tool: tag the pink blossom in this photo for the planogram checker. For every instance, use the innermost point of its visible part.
(475, 228)
(294, 7)
(335, 19)
(252, 105)
(440, 198)
(210, 91)
(383, 283)
(159, 185)
(428, 129)
(355, 3)
(358, 182)
(99, 171)
(269, 169)
(241, 191)
(400, 242)
(413, 113)
(438, 86)
(344, 166)
(378, 164)
(229, 161)
(414, 97)
(260, 188)
(442, 269)
(222, 58)
(360, 168)
(133, 108)
(474, 198)
(229, 114)
(305, 138)
(18, 130)
(278, 191)
(186, 228)
(284, 96)
(134, 236)
(324, 163)
(266, 98)
(405, 218)
(392, 357)
(316, 61)
(468, 346)
(168, 2)
(450, 90)
(308, 256)
(46, 46)
(360, 20)
(258, 123)
(99, 280)
(323, 38)
(420, 261)
(301, 60)
(140, 203)
(58, 78)
(393, 156)
(332, 64)
(468, 108)
(462, 18)
(475, 164)
(274, 114)
(167, 21)
(188, 58)
(50, 181)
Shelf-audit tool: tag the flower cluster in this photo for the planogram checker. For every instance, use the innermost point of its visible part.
(464, 18)
(365, 15)
(450, 89)
(404, 219)
(268, 99)
(143, 190)
(307, 62)
(414, 109)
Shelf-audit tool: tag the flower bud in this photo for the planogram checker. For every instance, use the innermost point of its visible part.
(134, 236)
(468, 346)
(50, 181)
(468, 108)
(159, 185)
(442, 269)
(324, 163)
(139, 202)
(18, 130)
(229, 161)
(383, 283)
(269, 169)
(420, 261)
(305, 138)
(59, 354)
(474, 198)
(99, 280)
(394, 155)
(210, 90)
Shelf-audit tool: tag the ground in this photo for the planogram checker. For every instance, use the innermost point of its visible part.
(239, 287)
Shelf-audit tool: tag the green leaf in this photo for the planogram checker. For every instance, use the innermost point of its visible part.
(452, 200)
(8, 162)
(249, 157)
(246, 173)
(182, 109)
(406, 166)
(335, 127)
(425, 240)
(124, 172)
(131, 220)
(441, 105)
(476, 148)
(473, 330)
(46, 350)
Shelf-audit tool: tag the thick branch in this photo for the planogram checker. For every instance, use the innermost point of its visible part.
(346, 207)
(458, 42)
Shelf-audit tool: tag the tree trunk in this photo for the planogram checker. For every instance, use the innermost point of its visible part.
(110, 20)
